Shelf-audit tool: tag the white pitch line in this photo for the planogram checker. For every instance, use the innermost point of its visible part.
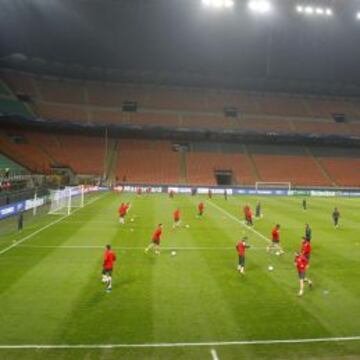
(214, 354)
(189, 248)
(240, 222)
(17, 243)
(182, 344)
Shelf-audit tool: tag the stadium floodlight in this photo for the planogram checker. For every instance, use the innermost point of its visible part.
(259, 6)
(328, 12)
(218, 4)
(358, 16)
(310, 10)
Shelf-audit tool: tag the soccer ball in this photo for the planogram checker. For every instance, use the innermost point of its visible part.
(173, 253)
(187, 226)
(132, 219)
(270, 268)
(278, 253)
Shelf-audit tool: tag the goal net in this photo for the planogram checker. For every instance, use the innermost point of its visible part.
(64, 200)
(264, 185)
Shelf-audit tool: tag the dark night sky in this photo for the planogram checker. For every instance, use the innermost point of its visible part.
(181, 35)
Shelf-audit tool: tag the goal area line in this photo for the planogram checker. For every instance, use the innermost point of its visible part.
(180, 344)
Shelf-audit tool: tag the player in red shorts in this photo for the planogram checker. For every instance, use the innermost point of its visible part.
(249, 217)
(306, 248)
(155, 241)
(177, 218)
(275, 240)
(302, 264)
(241, 249)
(201, 208)
(108, 264)
(122, 213)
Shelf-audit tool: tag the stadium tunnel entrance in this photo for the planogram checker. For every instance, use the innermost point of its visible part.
(224, 177)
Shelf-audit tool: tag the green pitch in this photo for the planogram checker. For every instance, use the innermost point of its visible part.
(196, 301)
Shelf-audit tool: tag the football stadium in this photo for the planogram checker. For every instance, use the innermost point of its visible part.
(179, 179)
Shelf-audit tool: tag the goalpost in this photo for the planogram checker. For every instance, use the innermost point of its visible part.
(62, 201)
(262, 185)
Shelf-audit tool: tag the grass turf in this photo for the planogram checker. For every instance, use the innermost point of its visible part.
(50, 289)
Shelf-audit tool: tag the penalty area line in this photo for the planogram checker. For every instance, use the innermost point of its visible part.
(239, 221)
(181, 344)
(18, 242)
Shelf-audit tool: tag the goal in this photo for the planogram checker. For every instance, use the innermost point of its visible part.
(62, 201)
(264, 185)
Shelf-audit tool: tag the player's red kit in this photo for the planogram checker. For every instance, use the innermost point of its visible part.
(109, 259)
(306, 249)
(122, 210)
(201, 208)
(301, 264)
(108, 264)
(157, 235)
(177, 215)
(249, 216)
(275, 235)
(241, 248)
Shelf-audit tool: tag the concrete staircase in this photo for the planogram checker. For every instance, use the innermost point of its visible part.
(320, 167)
(252, 164)
(183, 167)
(111, 160)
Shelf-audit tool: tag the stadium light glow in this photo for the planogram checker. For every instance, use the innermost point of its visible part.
(259, 6)
(218, 4)
(310, 10)
(358, 16)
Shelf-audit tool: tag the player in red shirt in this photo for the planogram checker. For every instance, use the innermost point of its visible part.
(302, 264)
(249, 216)
(108, 264)
(138, 191)
(155, 240)
(201, 208)
(122, 213)
(241, 249)
(177, 218)
(306, 248)
(275, 240)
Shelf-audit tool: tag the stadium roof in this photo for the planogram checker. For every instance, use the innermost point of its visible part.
(182, 42)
